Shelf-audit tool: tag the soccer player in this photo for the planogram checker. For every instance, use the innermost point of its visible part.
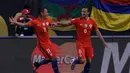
(84, 26)
(40, 26)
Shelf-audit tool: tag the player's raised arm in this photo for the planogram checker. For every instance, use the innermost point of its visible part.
(13, 21)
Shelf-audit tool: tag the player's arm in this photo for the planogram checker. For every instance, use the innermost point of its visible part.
(99, 33)
(62, 23)
(101, 37)
(66, 23)
(13, 21)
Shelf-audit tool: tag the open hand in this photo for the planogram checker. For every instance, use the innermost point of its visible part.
(105, 44)
(53, 25)
(12, 20)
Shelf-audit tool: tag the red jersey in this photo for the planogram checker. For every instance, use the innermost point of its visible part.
(84, 28)
(28, 18)
(26, 31)
(41, 29)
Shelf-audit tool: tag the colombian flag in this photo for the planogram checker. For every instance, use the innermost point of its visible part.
(112, 15)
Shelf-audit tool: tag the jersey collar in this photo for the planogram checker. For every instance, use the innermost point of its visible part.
(81, 18)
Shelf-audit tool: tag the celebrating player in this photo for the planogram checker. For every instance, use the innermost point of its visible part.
(84, 26)
(40, 26)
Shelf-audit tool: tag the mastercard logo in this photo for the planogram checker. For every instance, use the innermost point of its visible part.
(65, 53)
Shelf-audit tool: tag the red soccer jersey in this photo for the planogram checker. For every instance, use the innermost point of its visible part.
(30, 17)
(41, 29)
(84, 28)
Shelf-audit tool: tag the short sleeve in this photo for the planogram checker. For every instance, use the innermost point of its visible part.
(73, 21)
(31, 23)
(94, 24)
(50, 22)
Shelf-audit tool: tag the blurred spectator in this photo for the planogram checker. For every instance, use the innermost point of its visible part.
(24, 18)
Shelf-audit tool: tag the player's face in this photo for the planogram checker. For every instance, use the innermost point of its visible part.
(44, 13)
(84, 12)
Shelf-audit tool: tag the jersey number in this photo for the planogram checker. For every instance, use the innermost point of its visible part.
(49, 51)
(85, 30)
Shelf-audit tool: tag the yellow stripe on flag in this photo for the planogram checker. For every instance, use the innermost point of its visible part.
(111, 21)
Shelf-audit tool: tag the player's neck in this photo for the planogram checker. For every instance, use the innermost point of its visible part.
(43, 18)
(85, 18)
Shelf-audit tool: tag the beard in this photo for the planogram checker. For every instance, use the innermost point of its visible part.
(84, 15)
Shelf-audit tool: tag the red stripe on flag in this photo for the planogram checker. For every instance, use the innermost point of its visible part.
(120, 2)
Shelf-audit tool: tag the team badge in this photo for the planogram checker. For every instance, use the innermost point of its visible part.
(90, 25)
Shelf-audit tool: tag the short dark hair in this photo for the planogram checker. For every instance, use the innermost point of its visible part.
(41, 10)
(87, 9)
